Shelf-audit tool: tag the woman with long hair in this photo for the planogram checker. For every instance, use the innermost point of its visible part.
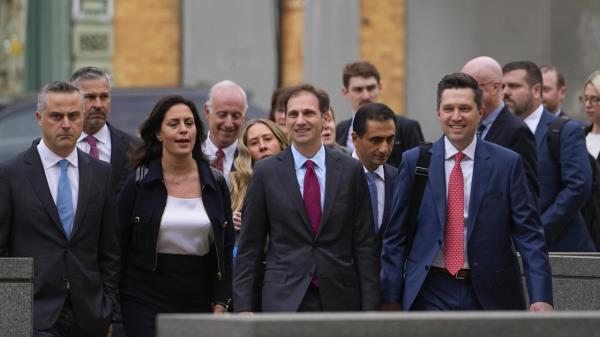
(591, 105)
(175, 214)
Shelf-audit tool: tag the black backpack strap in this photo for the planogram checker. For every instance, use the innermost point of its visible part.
(418, 189)
(554, 132)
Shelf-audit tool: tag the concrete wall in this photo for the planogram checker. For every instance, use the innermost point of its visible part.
(231, 39)
(16, 297)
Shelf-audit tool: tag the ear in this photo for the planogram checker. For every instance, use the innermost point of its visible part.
(206, 110)
(344, 91)
(537, 89)
(354, 137)
(38, 116)
(159, 137)
(380, 84)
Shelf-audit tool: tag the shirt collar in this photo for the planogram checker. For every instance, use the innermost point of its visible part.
(103, 135)
(489, 119)
(50, 158)
(299, 158)
(469, 151)
(211, 148)
(535, 115)
(378, 171)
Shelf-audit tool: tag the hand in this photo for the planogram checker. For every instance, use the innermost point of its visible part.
(219, 309)
(391, 307)
(237, 221)
(109, 333)
(541, 307)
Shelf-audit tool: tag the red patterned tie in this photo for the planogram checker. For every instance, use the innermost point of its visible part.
(454, 253)
(312, 196)
(93, 146)
(219, 160)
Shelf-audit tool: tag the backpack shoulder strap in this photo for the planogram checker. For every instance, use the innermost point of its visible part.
(554, 132)
(421, 175)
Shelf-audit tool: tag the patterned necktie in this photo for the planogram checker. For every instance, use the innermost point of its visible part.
(94, 153)
(454, 251)
(219, 160)
(64, 198)
(371, 177)
(312, 196)
(480, 130)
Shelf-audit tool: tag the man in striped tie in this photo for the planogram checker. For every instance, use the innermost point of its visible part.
(475, 211)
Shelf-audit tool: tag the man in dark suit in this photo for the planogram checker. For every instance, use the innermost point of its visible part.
(498, 124)
(474, 213)
(58, 207)
(362, 85)
(99, 139)
(313, 204)
(225, 111)
(373, 136)
(554, 90)
(565, 185)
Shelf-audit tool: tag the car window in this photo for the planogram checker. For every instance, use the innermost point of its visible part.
(17, 131)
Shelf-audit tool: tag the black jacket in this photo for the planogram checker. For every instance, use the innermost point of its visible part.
(141, 205)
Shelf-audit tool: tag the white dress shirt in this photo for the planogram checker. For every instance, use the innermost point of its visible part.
(184, 227)
(320, 170)
(349, 142)
(533, 120)
(102, 143)
(592, 142)
(52, 170)
(210, 149)
(466, 165)
(380, 184)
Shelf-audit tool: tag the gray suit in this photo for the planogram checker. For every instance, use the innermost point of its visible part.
(84, 268)
(343, 253)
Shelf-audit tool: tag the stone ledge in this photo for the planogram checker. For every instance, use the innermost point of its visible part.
(16, 269)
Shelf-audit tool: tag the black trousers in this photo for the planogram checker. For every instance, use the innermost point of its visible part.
(66, 326)
(311, 300)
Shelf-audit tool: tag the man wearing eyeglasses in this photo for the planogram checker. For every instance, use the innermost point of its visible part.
(565, 184)
(498, 125)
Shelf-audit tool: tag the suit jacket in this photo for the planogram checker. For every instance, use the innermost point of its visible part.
(501, 214)
(390, 173)
(120, 168)
(511, 132)
(564, 188)
(342, 254)
(408, 135)
(86, 267)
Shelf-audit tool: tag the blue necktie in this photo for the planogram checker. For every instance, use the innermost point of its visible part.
(64, 198)
(371, 176)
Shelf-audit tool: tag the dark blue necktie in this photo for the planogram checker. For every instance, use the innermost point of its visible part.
(371, 176)
(64, 198)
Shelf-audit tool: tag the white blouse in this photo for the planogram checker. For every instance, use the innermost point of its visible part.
(184, 228)
(592, 141)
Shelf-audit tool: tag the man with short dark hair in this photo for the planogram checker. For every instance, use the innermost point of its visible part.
(498, 124)
(313, 205)
(99, 139)
(565, 185)
(554, 89)
(58, 207)
(475, 212)
(362, 85)
(373, 136)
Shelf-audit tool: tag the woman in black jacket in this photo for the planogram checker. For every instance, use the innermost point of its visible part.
(175, 217)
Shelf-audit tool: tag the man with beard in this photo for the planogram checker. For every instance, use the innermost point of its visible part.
(99, 139)
(362, 85)
(565, 184)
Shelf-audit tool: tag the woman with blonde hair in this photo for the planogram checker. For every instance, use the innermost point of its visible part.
(591, 104)
(259, 138)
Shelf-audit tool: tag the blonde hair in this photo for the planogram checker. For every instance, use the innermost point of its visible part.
(244, 163)
(594, 80)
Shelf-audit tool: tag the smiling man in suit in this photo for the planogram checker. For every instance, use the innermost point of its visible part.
(58, 207)
(100, 139)
(313, 205)
(498, 124)
(373, 136)
(475, 212)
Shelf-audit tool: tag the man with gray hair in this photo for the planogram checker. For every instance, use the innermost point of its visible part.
(225, 111)
(100, 139)
(58, 208)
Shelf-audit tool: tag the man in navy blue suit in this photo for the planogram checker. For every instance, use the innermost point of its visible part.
(476, 209)
(565, 185)
(373, 134)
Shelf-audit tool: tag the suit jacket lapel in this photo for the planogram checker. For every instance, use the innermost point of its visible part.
(482, 171)
(332, 180)
(85, 181)
(34, 170)
(497, 126)
(388, 195)
(437, 180)
(288, 179)
(542, 128)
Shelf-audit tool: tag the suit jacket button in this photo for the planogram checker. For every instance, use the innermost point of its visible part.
(137, 219)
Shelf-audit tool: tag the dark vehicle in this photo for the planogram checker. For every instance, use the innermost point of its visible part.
(18, 126)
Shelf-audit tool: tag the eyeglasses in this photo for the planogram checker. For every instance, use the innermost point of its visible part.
(594, 100)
